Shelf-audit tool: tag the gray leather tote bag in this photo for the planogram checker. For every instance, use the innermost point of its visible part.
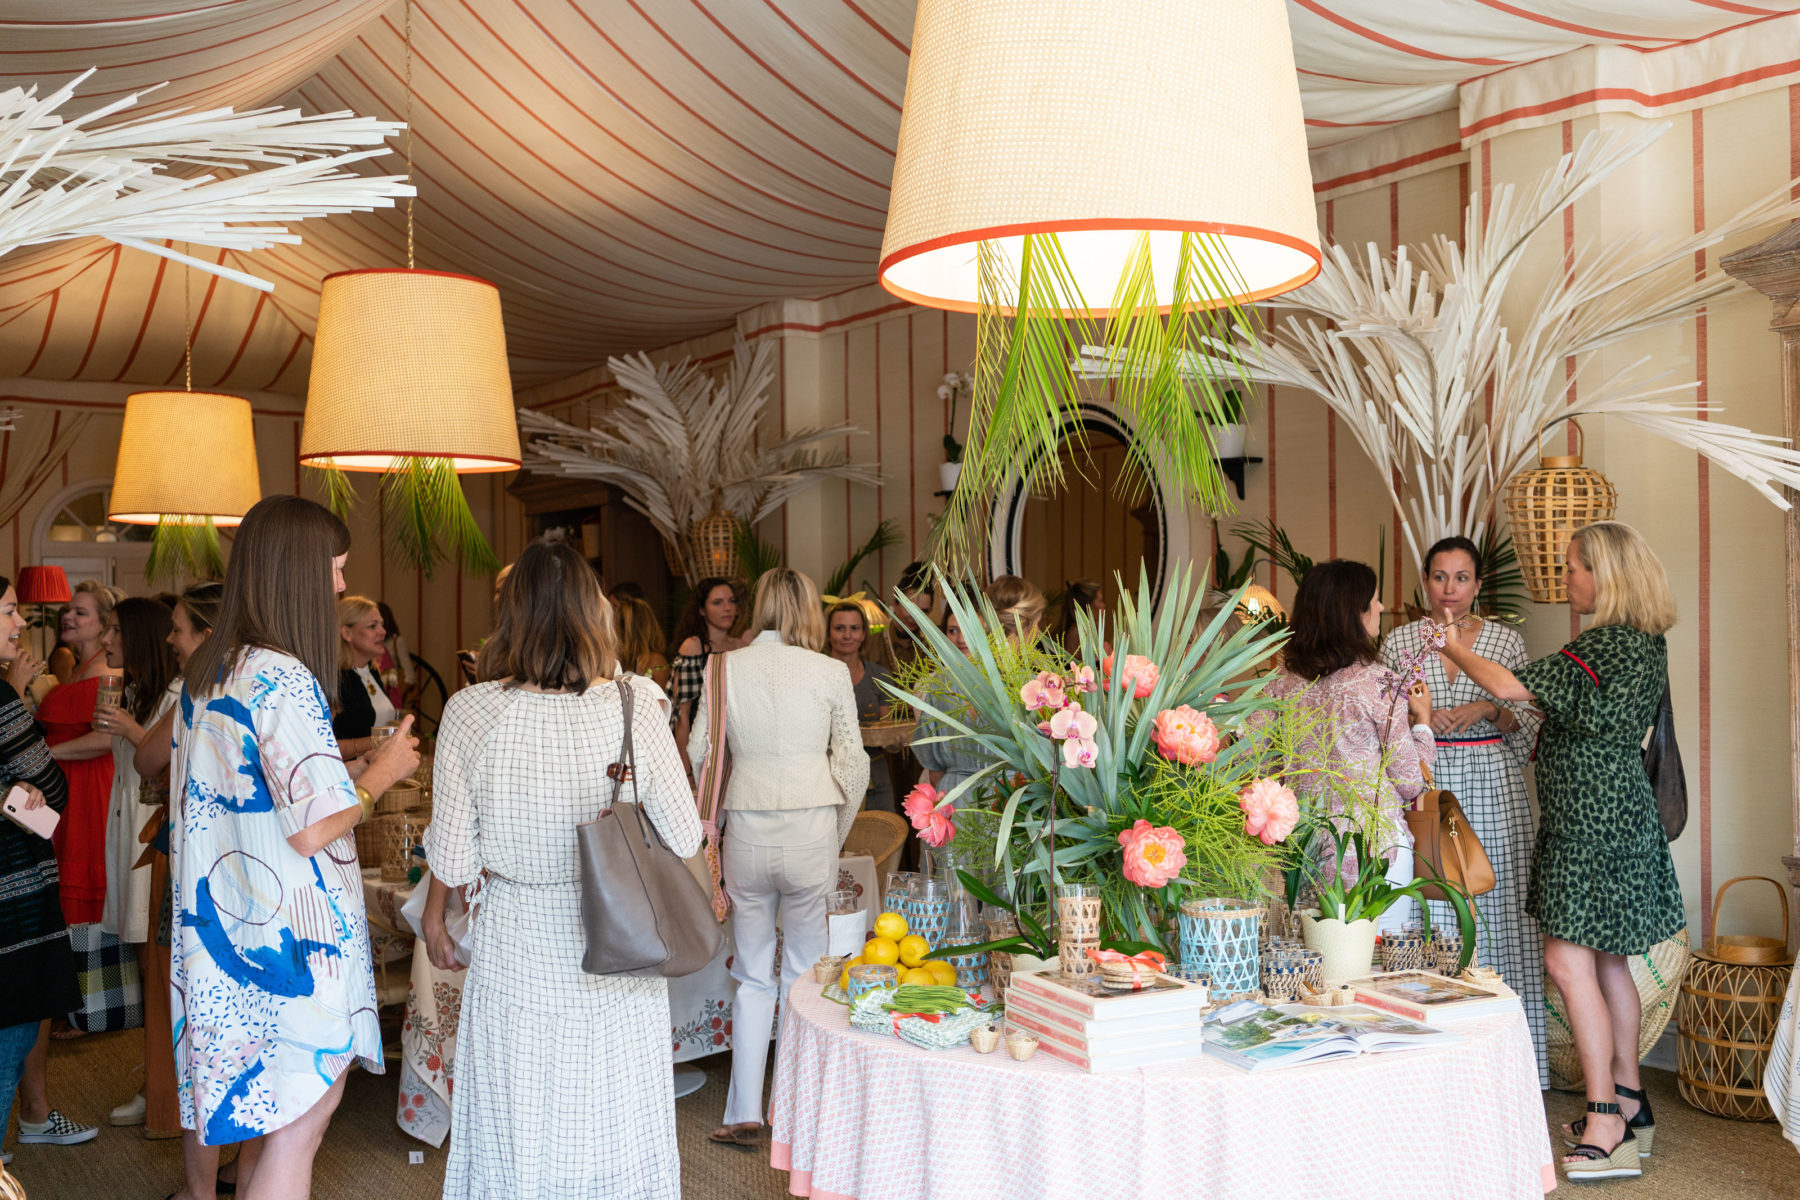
(642, 910)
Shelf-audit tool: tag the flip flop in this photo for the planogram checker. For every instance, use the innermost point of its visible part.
(739, 1139)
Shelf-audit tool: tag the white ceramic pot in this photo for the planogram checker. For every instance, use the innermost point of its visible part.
(1228, 441)
(1031, 962)
(948, 474)
(1349, 949)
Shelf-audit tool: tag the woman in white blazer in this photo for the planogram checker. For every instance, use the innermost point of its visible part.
(798, 774)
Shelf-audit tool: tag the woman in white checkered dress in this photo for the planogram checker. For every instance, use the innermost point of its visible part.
(1482, 747)
(562, 1086)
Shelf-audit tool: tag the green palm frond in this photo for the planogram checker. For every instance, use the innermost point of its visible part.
(180, 548)
(428, 521)
(1273, 541)
(1503, 594)
(756, 556)
(334, 486)
(886, 534)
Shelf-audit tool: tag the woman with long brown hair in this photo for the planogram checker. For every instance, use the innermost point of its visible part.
(273, 989)
(562, 1078)
(707, 627)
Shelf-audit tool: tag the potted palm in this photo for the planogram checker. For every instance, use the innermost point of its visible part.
(1343, 930)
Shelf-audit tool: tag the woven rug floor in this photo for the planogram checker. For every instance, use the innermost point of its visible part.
(365, 1154)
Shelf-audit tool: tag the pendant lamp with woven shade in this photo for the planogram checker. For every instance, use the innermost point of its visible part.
(1140, 163)
(1545, 507)
(410, 378)
(155, 480)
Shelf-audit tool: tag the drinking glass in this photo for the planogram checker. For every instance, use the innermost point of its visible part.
(111, 691)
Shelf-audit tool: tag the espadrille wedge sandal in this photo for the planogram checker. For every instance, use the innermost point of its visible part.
(1642, 1122)
(1591, 1162)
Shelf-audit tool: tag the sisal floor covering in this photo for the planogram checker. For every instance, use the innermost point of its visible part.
(365, 1154)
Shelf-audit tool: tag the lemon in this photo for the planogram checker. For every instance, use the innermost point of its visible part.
(913, 949)
(891, 925)
(920, 976)
(844, 979)
(942, 971)
(881, 950)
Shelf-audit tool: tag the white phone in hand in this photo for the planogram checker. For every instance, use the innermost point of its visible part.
(41, 821)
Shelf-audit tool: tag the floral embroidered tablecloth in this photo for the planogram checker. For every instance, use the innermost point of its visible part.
(1464, 1121)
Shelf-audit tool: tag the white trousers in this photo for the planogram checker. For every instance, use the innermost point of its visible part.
(779, 867)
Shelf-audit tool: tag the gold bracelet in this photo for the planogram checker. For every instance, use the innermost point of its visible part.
(366, 798)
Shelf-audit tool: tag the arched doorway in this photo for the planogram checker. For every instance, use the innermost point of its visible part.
(72, 532)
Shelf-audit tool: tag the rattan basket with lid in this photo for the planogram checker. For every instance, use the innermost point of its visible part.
(1546, 506)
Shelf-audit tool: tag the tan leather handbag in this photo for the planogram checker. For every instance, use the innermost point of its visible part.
(1442, 839)
(642, 910)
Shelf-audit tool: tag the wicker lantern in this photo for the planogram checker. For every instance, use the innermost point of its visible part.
(1727, 1017)
(713, 542)
(1546, 506)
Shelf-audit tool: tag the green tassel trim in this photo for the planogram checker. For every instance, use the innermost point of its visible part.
(184, 547)
(1173, 374)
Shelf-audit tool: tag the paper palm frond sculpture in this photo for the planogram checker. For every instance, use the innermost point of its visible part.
(1406, 354)
(681, 437)
(260, 170)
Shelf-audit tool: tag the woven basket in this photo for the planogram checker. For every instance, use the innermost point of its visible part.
(386, 840)
(1657, 973)
(1727, 1017)
(1545, 507)
(713, 541)
(400, 797)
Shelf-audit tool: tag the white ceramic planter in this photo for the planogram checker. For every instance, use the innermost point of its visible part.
(1348, 949)
(1228, 441)
(948, 474)
(1031, 962)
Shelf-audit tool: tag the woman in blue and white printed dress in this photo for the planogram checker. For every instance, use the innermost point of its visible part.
(273, 995)
(1483, 745)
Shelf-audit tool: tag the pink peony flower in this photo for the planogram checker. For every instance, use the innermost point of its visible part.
(1046, 691)
(1153, 854)
(1080, 679)
(921, 807)
(1072, 722)
(938, 828)
(1270, 810)
(919, 802)
(1080, 752)
(1139, 674)
(1186, 736)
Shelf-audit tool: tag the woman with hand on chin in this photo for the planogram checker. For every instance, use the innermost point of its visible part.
(1602, 886)
(1483, 745)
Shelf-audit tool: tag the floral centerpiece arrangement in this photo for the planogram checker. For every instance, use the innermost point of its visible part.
(1150, 765)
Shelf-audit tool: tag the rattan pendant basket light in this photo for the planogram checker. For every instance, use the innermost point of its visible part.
(713, 541)
(1546, 506)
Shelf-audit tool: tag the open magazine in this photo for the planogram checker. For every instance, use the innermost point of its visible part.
(1288, 1035)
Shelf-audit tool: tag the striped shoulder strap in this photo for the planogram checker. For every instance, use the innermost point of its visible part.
(716, 771)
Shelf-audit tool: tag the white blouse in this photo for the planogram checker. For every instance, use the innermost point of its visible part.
(383, 704)
(790, 719)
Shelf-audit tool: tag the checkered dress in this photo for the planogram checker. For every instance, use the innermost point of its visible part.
(1486, 771)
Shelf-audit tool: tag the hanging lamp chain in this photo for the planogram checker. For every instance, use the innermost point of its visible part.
(409, 134)
(187, 317)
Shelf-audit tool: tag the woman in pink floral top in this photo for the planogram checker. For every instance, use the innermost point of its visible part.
(1376, 734)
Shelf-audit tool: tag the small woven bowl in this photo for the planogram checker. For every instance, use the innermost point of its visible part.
(829, 967)
(986, 1040)
(1021, 1045)
(1127, 976)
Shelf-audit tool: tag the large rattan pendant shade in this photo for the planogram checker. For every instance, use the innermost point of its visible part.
(1545, 507)
(1099, 120)
(409, 364)
(185, 456)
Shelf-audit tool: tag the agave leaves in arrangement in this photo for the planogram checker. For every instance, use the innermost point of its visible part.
(1028, 354)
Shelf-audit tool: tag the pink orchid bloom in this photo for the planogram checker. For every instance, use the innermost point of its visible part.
(1081, 752)
(1139, 674)
(1186, 736)
(1270, 810)
(1072, 722)
(1153, 854)
(1046, 691)
(1080, 679)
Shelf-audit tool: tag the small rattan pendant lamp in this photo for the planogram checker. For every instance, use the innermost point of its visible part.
(713, 541)
(1546, 506)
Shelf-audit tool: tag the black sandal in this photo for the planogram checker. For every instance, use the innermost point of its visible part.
(1642, 1122)
(1592, 1162)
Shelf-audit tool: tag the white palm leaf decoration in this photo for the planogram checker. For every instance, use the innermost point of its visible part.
(1406, 348)
(680, 437)
(82, 177)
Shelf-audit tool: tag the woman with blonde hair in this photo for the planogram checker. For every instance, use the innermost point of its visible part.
(1602, 886)
(562, 1080)
(83, 752)
(1020, 605)
(363, 703)
(798, 777)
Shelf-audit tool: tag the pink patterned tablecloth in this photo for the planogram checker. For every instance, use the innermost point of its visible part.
(865, 1116)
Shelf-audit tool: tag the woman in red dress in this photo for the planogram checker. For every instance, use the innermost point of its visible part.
(67, 715)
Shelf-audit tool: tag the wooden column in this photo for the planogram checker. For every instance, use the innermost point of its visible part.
(1772, 267)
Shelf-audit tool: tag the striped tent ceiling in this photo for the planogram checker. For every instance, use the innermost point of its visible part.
(630, 172)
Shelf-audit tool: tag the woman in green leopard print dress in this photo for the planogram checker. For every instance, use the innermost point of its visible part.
(1602, 884)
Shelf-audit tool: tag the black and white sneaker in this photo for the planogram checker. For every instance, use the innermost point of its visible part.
(58, 1130)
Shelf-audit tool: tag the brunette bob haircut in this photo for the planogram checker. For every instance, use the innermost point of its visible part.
(555, 628)
(1327, 624)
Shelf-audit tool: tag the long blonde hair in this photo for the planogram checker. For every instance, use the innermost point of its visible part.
(1630, 585)
(788, 602)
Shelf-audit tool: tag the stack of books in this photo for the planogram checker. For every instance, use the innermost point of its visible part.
(1090, 1026)
(1434, 999)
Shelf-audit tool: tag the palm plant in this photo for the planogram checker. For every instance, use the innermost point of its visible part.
(681, 437)
(1406, 357)
(1371, 893)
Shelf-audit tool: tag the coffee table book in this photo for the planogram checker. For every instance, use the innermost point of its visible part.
(1092, 1000)
(1432, 998)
